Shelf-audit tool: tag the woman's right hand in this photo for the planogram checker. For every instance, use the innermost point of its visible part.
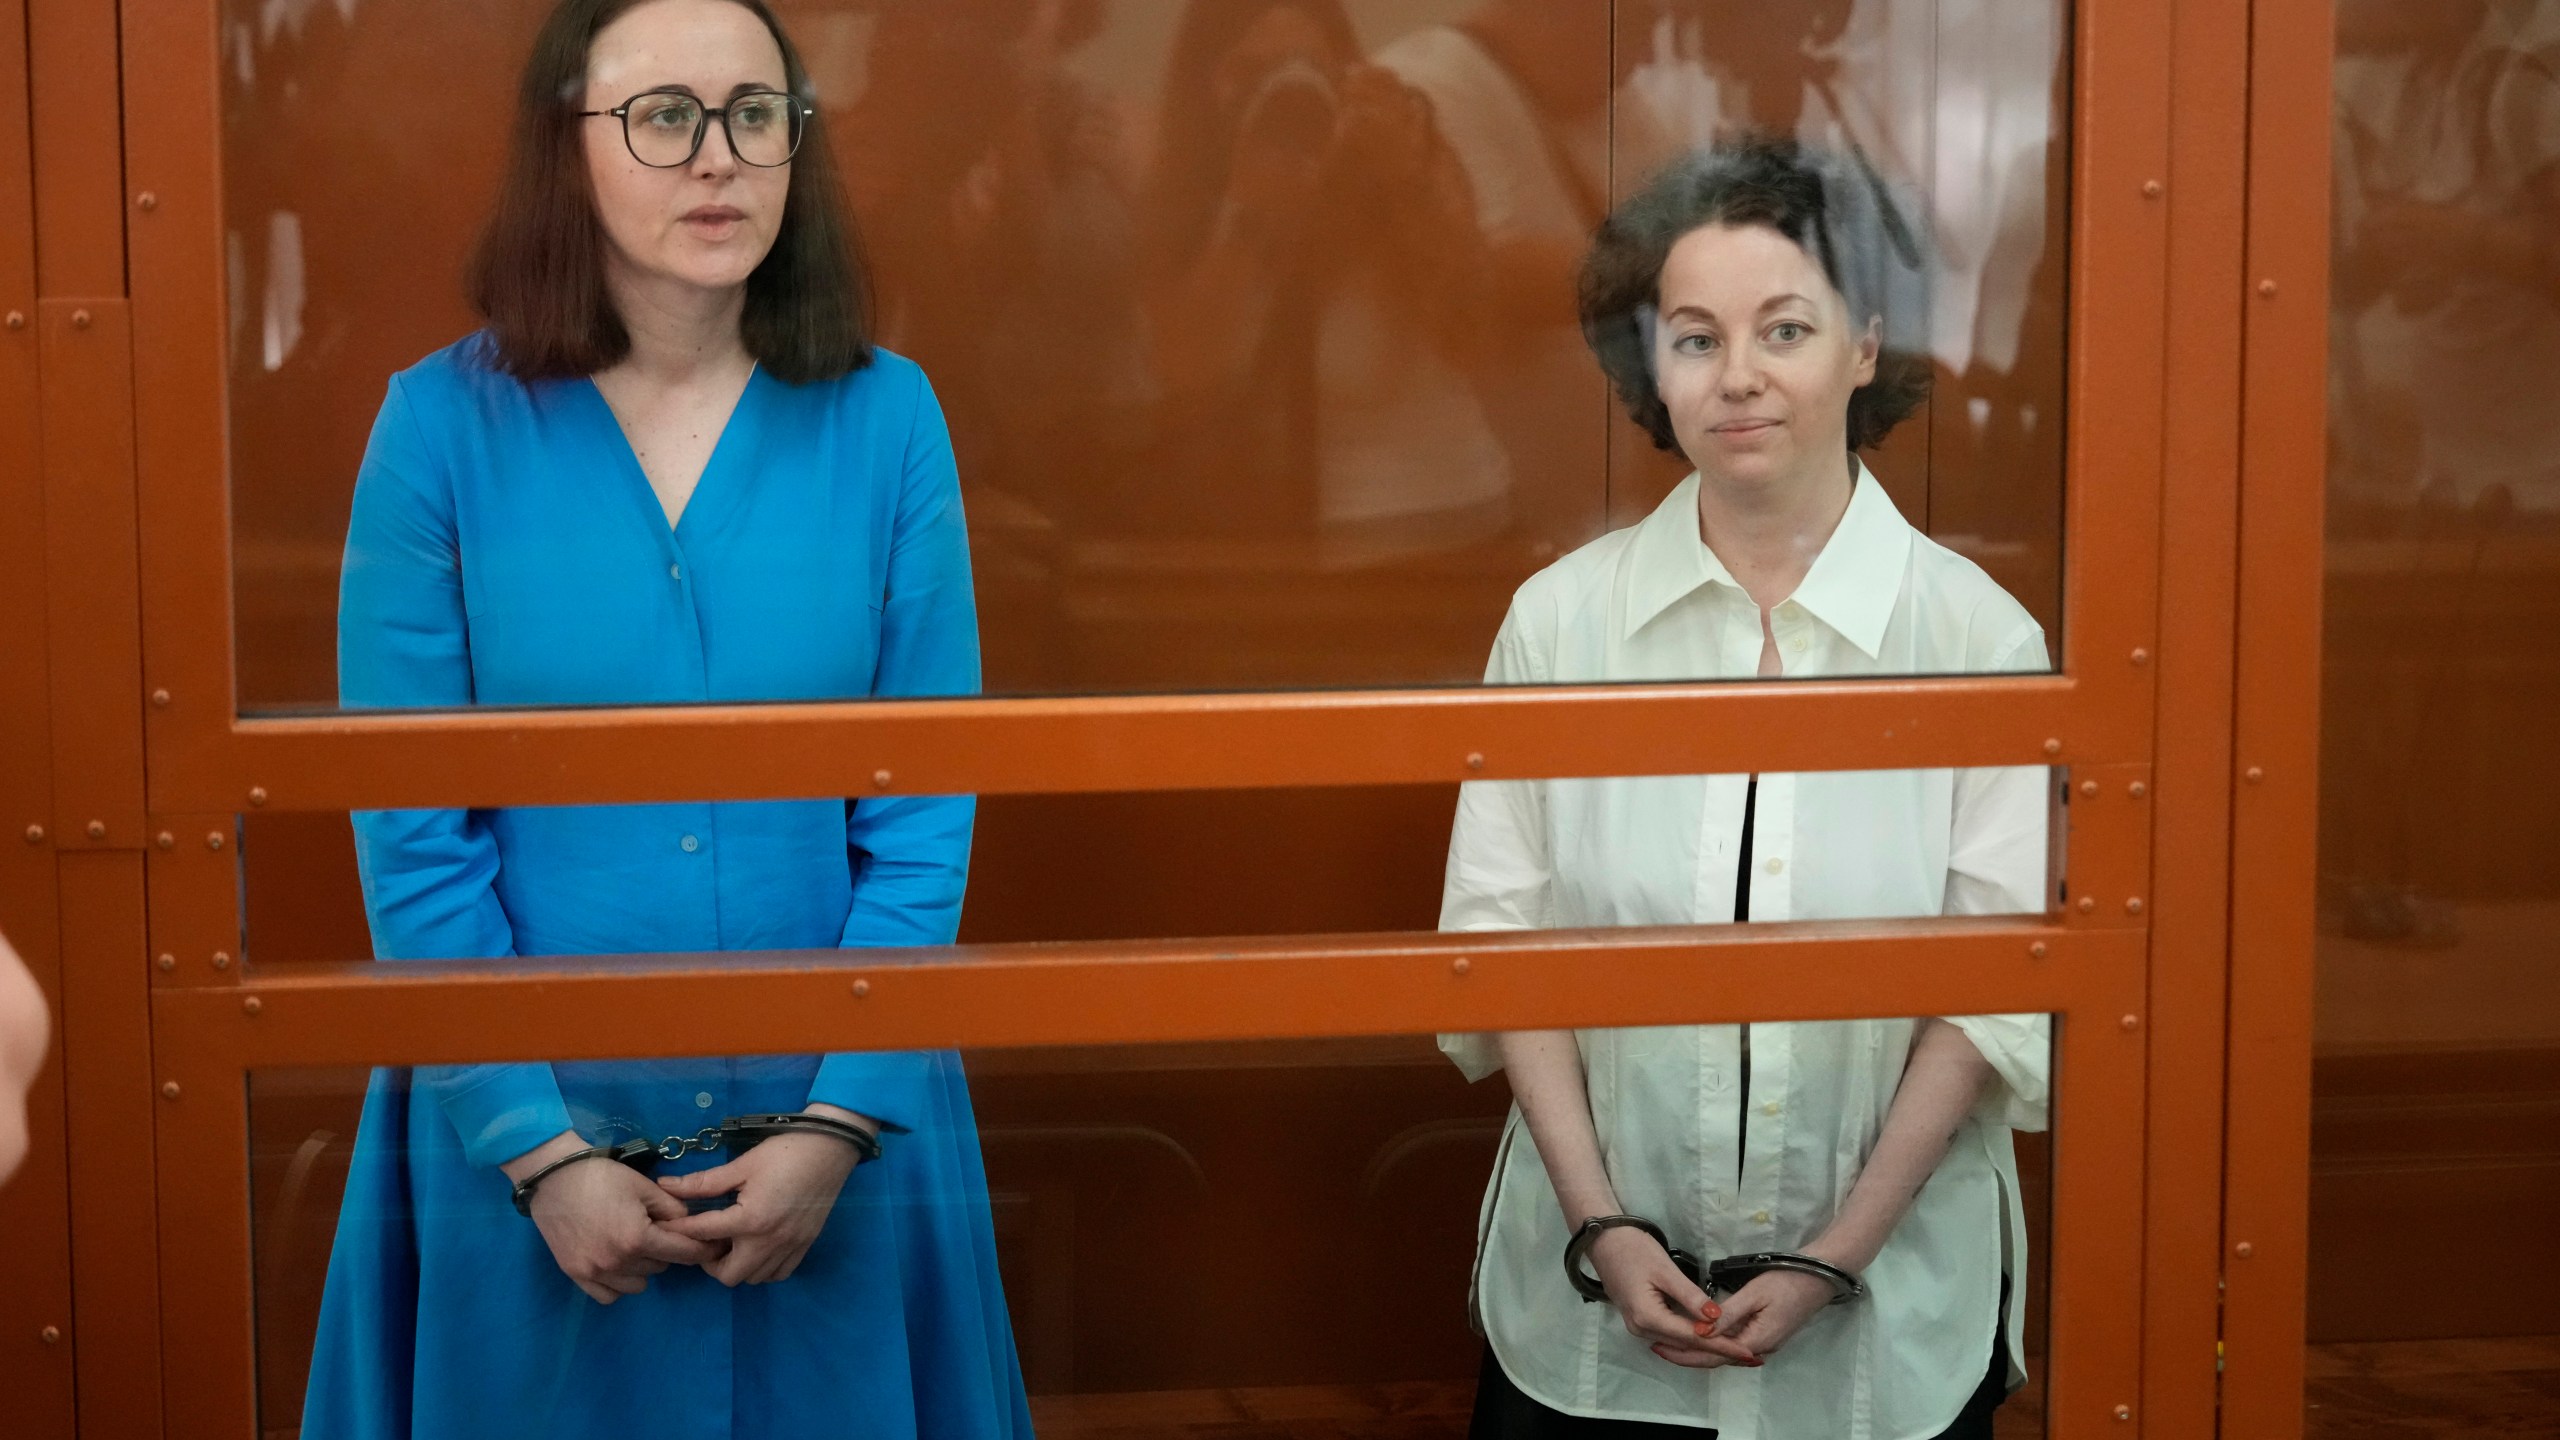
(601, 1220)
(1659, 1305)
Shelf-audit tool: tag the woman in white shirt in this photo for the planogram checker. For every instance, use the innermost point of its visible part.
(1737, 305)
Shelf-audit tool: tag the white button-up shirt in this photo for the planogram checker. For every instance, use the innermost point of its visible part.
(1652, 602)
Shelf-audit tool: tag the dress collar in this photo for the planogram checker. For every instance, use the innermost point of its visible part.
(1852, 587)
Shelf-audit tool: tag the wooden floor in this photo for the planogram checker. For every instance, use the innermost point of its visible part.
(2436, 1390)
(2404, 1390)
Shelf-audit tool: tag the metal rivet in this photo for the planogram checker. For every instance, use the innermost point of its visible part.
(35, 834)
(2053, 747)
(2088, 904)
(97, 829)
(213, 840)
(2133, 906)
(169, 1091)
(2141, 657)
(146, 201)
(167, 962)
(251, 1005)
(2267, 288)
(221, 959)
(2124, 1412)
(2039, 950)
(2132, 1022)
(1475, 762)
(164, 840)
(79, 319)
(160, 699)
(2137, 789)
(17, 319)
(1460, 966)
(861, 989)
(2089, 788)
(2244, 1249)
(257, 794)
(2255, 775)
(51, 1334)
(879, 779)
(2153, 189)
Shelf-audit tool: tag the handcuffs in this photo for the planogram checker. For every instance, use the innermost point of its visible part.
(738, 1132)
(1716, 1277)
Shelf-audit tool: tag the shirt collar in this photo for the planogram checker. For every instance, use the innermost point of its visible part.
(1852, 587)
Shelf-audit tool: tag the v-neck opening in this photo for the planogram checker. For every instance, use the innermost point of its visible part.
(709, 487)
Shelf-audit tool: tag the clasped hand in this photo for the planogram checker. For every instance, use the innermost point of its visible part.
(611, 1228)
(1682, 1324)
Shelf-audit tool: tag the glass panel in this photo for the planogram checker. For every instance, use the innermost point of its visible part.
(1848, 845)
(2437, 1094)
(1252, 327)
(1283, 1238)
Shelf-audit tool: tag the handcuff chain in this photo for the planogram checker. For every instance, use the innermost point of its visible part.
(676, 1147)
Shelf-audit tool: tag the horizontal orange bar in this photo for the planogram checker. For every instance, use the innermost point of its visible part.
(1109, 993)
(1033, 746)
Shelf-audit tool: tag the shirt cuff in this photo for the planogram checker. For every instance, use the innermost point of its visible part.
(499, 1111)
(887, 1086)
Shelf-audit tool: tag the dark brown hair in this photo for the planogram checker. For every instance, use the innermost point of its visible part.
(1833, 207)
(538, 274)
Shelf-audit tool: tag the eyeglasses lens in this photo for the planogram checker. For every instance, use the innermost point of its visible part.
(665, 130)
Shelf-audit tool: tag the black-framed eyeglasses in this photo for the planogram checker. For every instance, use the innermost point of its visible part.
(664, 128)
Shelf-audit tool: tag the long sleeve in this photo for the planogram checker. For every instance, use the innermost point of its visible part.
(429, 876)
(1996, 863)
(910, 854)
(1499, 876)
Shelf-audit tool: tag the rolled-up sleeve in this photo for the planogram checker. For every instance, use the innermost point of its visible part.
(1997, 862)
(1498, 875)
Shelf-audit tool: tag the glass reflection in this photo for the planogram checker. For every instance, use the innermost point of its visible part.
(1157, 1213)
(2439, 1019)
(1253, 323)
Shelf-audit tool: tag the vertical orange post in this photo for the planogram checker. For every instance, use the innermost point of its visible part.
(92, 632)
(2190, 937)
(2276, 733)
(35, 1271)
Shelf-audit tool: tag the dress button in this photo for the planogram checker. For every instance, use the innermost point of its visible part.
(702, 1101)
(689, 844)
(675, 572)
(1776, 866)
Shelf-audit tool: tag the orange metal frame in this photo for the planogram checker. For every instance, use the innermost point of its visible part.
(2195, 126)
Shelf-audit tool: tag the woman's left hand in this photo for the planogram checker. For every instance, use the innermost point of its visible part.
(1768, 1310)
(783, 1191)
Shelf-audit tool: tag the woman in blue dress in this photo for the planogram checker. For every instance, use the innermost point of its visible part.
(670, 469)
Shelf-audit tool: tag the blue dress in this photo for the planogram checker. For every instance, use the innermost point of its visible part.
(506, 549)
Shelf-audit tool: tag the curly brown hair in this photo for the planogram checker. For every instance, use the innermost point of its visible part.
(1833, 206)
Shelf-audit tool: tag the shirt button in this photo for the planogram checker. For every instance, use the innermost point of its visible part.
(1759, 1217)
(1771, 1108)
(1776, 866)
(702, 1101)
(675, 572)
(689, 844)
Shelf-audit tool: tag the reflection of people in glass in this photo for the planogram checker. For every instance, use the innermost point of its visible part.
(1315, 246)
(671, 469)
(24, 1023)
(1736, 306)
(2448, 275)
